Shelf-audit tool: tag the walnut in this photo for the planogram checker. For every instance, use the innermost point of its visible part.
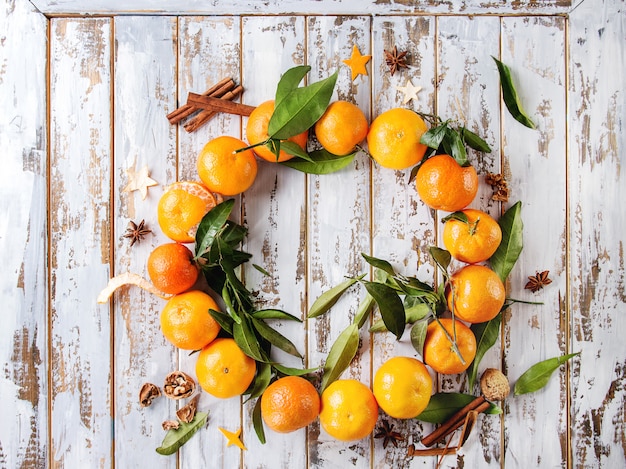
(170, 425)
(178, 385)
(187, 413)
(148, 393)
(494, 385)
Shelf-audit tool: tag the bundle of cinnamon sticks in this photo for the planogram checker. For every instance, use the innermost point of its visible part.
(200, 108)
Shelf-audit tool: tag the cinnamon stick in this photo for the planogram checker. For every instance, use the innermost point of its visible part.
(203, 116)
(219, 105)
(479, 405)
(217, 90)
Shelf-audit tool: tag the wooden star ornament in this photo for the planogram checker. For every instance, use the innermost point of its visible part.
(410, 91)
(139, 181)
(357, 62)
(233, 438)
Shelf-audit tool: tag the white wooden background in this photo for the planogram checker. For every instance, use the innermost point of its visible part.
(84, 97)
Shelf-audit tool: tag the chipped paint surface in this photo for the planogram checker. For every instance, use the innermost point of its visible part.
(72, 369)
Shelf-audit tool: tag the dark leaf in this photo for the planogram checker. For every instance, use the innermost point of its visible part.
(441, 257)
(460, 216)
(390, 307)
(379, 264)
(294, 149)
(510, 247)
(289, 371)
(433, 137)
(444, 405)
(275, 337)
(176, 438)
(290, 81)
(257, 422)
(487, 334)
(340, 355)
(418, 336)
(538, 375)
(211, 224)
(320, 162)
(509, 94)
(262, 380)
(223, 319)
(247, 340)
(274, 314)
(453, 146)
(474, 141)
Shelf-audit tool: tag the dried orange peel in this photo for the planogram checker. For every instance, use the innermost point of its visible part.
(129, 278)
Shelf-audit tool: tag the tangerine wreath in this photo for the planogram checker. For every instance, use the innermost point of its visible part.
(449, 326)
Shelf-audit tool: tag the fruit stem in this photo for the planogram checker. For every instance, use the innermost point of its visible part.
(474, 227)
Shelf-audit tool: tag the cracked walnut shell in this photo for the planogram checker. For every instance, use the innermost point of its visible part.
(494, 385)
(148, 393)
(178, 385)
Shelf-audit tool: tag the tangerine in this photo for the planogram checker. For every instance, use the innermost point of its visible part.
(402, 387)
(256, 133)
(394, 139)
(474, 240)
(223, 370)
(439, 351)
(341, 128)
(225, 168)
(475, 293)
(172, 269)
(289, 403)
(443, 184)
(349, 410)
(181, 208)
(186, 322)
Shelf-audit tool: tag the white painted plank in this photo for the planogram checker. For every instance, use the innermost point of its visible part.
(144, 92)
(209, 50)
(536, 163)
(402, 228)
(596, 189)
(303, 7)
(469, 93)
(23, 225)
(275, 214)
(80, 148)
(338, 225)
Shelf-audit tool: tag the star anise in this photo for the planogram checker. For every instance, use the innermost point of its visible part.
(537, 282)
(395, 60)
(136, 232)
(388, 435)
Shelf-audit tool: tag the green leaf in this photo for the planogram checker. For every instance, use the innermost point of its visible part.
(275, 337)
(474, 141)
(290, 81)
(418, 336)
(327, 299)
(274, 314)
(211, 224)
(509, 94)
(341, 353)
(262, 380)
(365, 307)
(538, 375)
(294, 149)
(379, 264)
(289, 371)
(174, 439)
(414, 311)
(460, 216)
(441, 257)
(433, 137)
(453, 146)
(298, 110)
(247, 340)
(257, 422)
(390, 307)
(223, 319)
(320, 162)
(486, 334)
(261, 269)
(505, 257)
(444, 405)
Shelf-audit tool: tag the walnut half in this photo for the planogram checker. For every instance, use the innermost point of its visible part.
(148, 393)
(178, 385)
(188, 412)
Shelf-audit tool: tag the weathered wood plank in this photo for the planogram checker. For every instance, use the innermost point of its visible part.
(80, 149)
(402, 229)
(275, 215)
(535, 162)
(338, 225)
(596, 189)
(23, 335)
(143, 95)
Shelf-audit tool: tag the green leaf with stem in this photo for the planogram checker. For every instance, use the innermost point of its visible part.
(390, 307)
(320, 162)
(453, 146)
(381, 264)
(224, 320)
(211, 224)
(486, 334)
(328, 299)
(510, 248)
(289, 81)
(340, 356)
(275, 337)
(175, 438)
(289, 371)
(274, 314)
(442, 258)
(538, 375)
(247, 340)
(433, 137)
(257, 422)
(413, 311)
(474, 141)
(509, 94)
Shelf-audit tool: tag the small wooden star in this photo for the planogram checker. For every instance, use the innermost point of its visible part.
(357, 62)
(410, 91)
(233, 438)
(139, 181)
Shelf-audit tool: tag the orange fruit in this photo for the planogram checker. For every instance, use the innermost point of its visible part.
(289, 403)
(443, 184)
(186, 322)
(181, 208)
(473, 241)
(394, 139)
(256, 132)
(172, 269)
(402, 387)
(341, 128)
(223, 370)
(224, 169)
(439, 352)
(349, 410)
(476, 293)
